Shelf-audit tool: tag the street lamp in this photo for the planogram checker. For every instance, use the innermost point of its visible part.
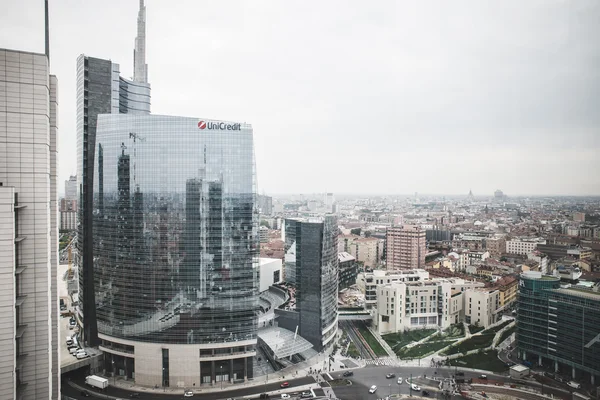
(221, 368)
(390, 385)
(163, 380)
(113, 371)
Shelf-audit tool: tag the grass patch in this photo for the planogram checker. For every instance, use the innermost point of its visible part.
(507, 333)
(487, 360)
(353, 351)
(497, 328)
(401, 339)
(475, 328)
(371, 341)
(339, 382)
(423, 349)
(476, 342)
(455, 331)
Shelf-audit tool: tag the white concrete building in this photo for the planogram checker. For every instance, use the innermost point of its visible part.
(368, 281)
(29, 367)
(271, 272)
(523, 245)
(481, 306)
(432, 303)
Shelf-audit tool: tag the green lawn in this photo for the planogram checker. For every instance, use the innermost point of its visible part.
(422, 350)
(371, 341)
(353, 351)
(455, 331)
(507, 333)
(475, 342)
(475, 328)
(399, 340)
(497, 328)
(486, 360)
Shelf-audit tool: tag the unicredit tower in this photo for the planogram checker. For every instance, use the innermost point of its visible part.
(175, 248)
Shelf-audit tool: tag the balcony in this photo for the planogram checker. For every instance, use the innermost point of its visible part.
(19, 239)
(20, 269)
(20, 331)
(20, 300)
(20, 207)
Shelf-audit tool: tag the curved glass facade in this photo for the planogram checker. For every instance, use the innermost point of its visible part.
(175, 230)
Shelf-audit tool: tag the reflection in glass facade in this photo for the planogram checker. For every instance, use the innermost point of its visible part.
(175, 230)
(316, 277)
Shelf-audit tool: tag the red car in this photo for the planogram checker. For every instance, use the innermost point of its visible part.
(285, 384)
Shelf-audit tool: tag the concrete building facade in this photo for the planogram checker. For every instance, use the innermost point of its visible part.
(29, 365)
(523, 246)
(406, 247)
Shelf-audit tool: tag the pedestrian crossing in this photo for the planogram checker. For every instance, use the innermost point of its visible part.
(383, 361)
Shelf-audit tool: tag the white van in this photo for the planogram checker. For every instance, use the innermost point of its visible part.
(574, 384)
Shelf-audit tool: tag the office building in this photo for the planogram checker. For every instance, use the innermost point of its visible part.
(29, 367)
(558, 326)
(265, 205)
(71, 188)
(406, 247)
(175, 249)
(347, 270)
(101, 90)
(316, 277)
(523, 246)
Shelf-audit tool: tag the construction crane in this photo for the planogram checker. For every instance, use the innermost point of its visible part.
(135, 137)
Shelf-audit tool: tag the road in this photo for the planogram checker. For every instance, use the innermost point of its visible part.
(125, 394)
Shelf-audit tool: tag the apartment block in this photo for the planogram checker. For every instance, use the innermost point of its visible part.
(481, 306)
(406, 247)
(523, 246)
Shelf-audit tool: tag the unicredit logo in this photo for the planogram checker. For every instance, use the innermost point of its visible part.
(219, 126)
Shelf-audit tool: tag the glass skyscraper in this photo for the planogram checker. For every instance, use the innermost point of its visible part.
(175, 244)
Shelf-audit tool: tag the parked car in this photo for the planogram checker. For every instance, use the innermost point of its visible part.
(188, 393)
(284, 384)
(348, 373)
(390, 376)
(263, 396)
(134, 395)
(373, 389)
(415, 387)
(400, 380)
(306, 395)
(285, 396)
(483, 376)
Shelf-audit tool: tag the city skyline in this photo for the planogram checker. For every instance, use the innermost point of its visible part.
(363, 88)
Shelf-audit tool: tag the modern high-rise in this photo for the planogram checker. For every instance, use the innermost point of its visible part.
(559, 326)
(175, 249)
(71, 188)
(101, 90)
(29, 365)
(316, 277)
(406, 247)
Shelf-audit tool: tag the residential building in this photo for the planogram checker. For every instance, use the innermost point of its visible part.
(315, 241)
(431, 303)
(29, 367)
(366, 250)
(263, 234)
(558, 251)
(481, 306)
(496, 246)
(470, 241)
(175, 249)
(523, 246)
(368, 281)
(558, 326)
(71, 188)
(579, 216)
(101, 90)
(508, 288)
(68, 220)
(406, 247)
(347, 270)
(478, 257)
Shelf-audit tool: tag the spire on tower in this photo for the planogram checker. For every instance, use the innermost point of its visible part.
(140, 68)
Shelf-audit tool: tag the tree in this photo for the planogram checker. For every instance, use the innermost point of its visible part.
(355, 231)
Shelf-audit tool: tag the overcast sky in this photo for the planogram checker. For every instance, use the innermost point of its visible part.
(356, 96)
